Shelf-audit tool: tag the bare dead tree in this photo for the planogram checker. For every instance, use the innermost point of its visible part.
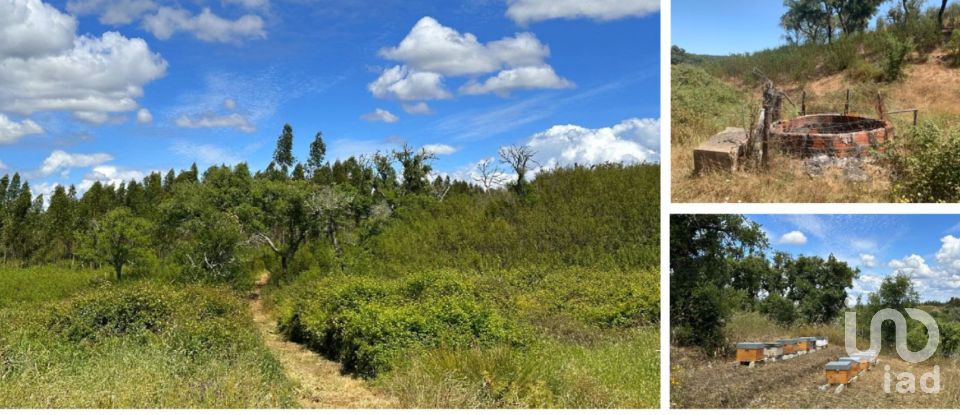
(519, 158)
(489, 174)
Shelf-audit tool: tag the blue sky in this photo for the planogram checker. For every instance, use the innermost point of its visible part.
(927, 247)
(112, 90)
(734, 26)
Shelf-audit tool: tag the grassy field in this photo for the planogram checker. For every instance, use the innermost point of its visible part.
(72, 339)
(711, 93)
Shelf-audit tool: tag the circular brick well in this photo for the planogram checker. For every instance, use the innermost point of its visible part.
(835, 135)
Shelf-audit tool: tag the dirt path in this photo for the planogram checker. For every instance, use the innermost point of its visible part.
(321, 383)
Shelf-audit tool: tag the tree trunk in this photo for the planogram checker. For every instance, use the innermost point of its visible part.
(943, 8)
(118, 269)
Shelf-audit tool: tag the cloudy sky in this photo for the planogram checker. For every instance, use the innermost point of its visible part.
(111, 90)
(927, 247)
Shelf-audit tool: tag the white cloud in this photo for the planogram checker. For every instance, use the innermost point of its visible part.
(380, 115)
(108, 175)
(525, 11)
(868, 260)
(420, 108)
(949, 253)
(3, 166)
(528, 77)
(92, 117)
(60, 161)
(205, 26)
(399, 82)
(32, 28)
(434, 49)
(44, 66)
(144, 116)
(230, 103)
(207, 154)
(440, 149)
(11, 131)
(793, 238)
(112, 12)
(631, 141)
(913, 265)
(217, 121)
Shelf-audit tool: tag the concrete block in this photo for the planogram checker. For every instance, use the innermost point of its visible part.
(720, 152)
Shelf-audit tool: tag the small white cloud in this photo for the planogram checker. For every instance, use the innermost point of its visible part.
(525, 11)
(109, 175)
(949, 253)
(205, 26)
(420, 108)
(3, 166)
(528, 77)
(793, 238)
(112, 12)
(92, 117)
(230, 104)
(399, 82)
(144, 116)
(440, 149)
(60, 160)
(868, 260)
(913, 265)
(380, 115)
(217, 121)
(11, 131)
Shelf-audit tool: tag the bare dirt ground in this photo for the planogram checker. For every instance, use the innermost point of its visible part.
(322, 385)
(697, 382)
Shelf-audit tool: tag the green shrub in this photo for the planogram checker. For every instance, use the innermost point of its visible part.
(780, 309)
(954, 47)
(895, 57)
(926, 164)
(864, 71)
(701, 104)
(370, 324)
(128, 311)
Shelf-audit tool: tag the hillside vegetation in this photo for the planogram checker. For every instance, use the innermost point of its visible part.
(904, 58)
(543, 292)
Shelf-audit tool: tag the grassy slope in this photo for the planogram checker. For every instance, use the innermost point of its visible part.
(72, 340)
(567, 279)
(710, 96)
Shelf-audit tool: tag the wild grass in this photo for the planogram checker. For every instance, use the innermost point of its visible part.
(37, 284)
(137, 345)
(616, 372)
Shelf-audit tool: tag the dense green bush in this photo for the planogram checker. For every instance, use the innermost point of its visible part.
(701, 104)
(368, 324)
(780, 309)
(925, 162)
(894, 57)
(128, 311)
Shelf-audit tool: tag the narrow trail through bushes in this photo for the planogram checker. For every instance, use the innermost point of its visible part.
(322, 385)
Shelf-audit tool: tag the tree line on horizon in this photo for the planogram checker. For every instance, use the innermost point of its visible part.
(200, 221)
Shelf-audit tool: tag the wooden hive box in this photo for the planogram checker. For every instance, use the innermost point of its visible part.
(773, 350)
(810, 342)
(838, 373)
(750, 352)
(859, 363)
(801, 345)
(789, 346)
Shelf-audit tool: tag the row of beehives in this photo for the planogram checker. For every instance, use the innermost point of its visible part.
(846, 369)
(751, 353)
